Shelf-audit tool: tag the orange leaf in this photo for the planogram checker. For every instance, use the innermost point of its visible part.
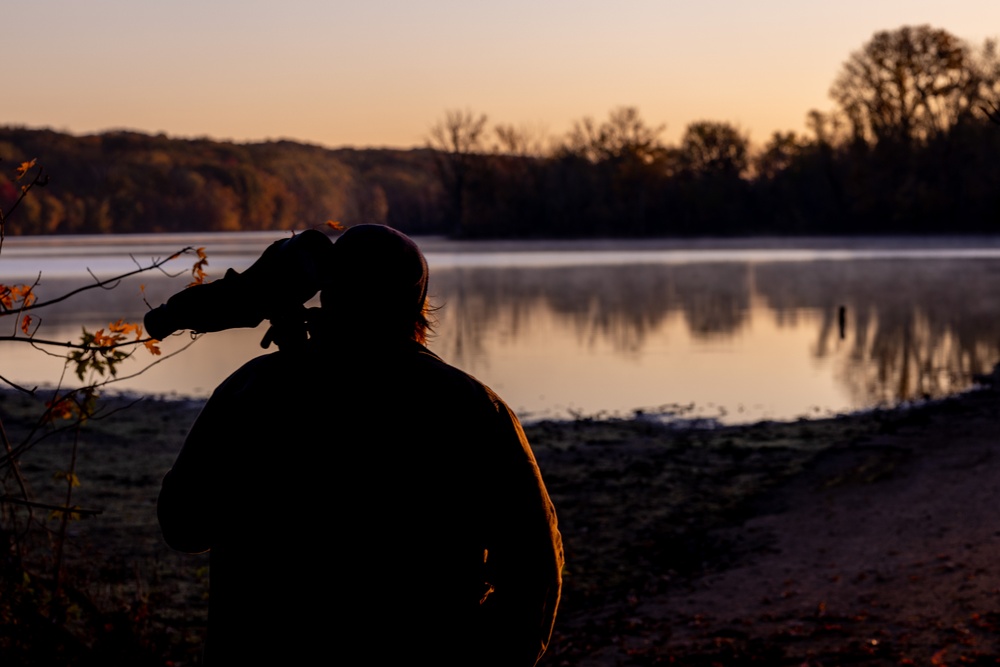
(152, 346)
(103, 340)
(26, 325)
(337, 226)
(23, 292)
(198, 274)
(24, 168)
(9, 294)
(123, 328)
(61, 408)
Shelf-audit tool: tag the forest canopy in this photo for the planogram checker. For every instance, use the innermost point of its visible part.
(908, 148)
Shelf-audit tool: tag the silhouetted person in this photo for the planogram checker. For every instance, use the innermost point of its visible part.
(364, 501)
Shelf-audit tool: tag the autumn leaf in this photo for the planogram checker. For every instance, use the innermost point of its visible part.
(26, 295)
(26, 325)
(98, 352)
(198, 274)
(24, 168)
(10, 295)
(121, 329)
(61, 407)
(335, 225)
(125, 328)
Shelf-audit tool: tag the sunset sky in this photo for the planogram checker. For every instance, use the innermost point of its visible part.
(381, 72)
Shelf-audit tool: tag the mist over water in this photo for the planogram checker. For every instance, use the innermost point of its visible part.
(724, 331)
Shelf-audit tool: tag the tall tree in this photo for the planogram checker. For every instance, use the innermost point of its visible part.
(457, 140)
(624, 136)
(714, 148)
(620, 160)
(912, 83)
(777, 155)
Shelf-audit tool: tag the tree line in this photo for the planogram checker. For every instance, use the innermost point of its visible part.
(908, 148)
(124, 182)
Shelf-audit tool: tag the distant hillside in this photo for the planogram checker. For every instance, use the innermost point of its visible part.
(121, 182)
(610, 180)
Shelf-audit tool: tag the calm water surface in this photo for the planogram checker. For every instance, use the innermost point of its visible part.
(735, 331)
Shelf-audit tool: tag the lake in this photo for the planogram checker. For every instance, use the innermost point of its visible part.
(724, 330)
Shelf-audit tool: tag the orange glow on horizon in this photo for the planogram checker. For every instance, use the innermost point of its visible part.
(382, 74)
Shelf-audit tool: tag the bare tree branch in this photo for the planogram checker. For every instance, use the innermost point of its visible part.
(103, 284)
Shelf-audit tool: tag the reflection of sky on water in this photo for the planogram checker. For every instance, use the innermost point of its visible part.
(749, 335)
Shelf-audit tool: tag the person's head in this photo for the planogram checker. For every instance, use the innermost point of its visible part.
(378, 284)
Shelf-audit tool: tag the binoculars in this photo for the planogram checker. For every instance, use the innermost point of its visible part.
(275, 287)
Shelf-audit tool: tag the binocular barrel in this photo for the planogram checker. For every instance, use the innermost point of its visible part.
(285, 276)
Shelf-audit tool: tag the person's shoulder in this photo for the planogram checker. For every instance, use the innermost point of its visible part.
(447, 377)
(265, 363)
(431, 363)
(257, 371)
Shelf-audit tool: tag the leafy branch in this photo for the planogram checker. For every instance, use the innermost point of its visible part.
(95, 360)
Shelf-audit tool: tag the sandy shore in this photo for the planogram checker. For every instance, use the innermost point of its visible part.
(868, 539)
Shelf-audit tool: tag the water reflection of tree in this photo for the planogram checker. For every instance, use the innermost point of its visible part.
(623, 306)
(915, 328)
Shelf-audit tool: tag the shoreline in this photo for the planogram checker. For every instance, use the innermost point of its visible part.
(879, 549)
(769, 543)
